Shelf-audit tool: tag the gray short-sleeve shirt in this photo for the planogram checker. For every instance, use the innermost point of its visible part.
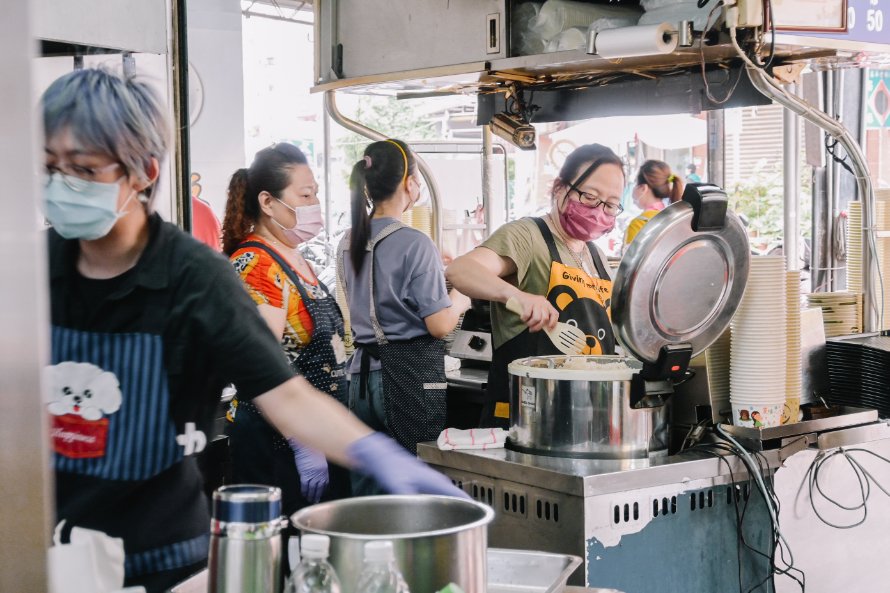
(409, 285)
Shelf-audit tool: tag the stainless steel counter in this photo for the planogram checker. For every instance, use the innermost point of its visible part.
(589, 477)
(468, 377)
(613, 513)
(657, 513)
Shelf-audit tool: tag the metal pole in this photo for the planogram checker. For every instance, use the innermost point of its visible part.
(330, 105)
(326, 133)
(838, 106)
(182, 157)
(716, 172)
(791, 145)
(827, 260)
(487, 177)
(26, 513)
(771, 88)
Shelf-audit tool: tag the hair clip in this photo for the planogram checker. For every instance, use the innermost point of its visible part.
(368, 162)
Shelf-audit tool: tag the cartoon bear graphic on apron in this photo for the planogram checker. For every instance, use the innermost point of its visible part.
(580, 299)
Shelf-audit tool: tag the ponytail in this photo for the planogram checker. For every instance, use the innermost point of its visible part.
(677, 187)
(384, 166)
(269, 172)
(361, 218)
(663, 183)
(236, 225)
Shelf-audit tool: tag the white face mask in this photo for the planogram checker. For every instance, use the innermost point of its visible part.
(309, 223)
(420, 198)
(88, 212)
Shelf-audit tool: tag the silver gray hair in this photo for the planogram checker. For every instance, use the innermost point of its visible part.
(109, 114)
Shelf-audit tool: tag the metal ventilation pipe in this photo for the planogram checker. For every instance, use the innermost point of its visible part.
(330, 105)
(872, 314)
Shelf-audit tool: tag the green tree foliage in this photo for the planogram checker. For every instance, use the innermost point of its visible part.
(390, 116)
(761, 200)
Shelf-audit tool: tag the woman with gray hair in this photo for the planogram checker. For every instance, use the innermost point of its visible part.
(148, 326)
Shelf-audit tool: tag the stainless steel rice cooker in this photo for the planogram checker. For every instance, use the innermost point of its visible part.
(675, 292)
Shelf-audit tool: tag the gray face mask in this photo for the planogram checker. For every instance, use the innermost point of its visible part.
(86, 212)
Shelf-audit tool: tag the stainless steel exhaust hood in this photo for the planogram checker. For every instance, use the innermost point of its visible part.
(410, 49)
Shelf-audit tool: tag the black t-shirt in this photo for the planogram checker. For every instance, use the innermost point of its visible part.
(138, 365)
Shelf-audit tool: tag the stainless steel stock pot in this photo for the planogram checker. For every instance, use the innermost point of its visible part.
(437, 539)
(579, 406)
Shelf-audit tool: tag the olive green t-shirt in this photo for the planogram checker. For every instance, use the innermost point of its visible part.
(522, 242)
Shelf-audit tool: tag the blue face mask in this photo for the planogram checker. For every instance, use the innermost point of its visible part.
(87, 212)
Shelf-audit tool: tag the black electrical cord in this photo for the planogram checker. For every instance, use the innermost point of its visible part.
(701, 52)
(830, 146)
(722, 451)
(694, 434)
(784, 564)
(734, 493)
(863, 476)
(768, 8)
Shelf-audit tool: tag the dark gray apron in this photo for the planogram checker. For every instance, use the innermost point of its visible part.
(260, 454)
(413, 373)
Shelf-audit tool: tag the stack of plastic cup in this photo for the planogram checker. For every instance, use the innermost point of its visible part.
(793, 380)
(759, 347)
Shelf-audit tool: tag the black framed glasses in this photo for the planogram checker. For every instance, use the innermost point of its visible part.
(76, 177)
(591, 201)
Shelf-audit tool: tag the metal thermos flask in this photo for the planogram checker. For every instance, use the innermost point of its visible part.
(245, 540)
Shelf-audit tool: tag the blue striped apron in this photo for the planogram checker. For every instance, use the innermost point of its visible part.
(135, 439)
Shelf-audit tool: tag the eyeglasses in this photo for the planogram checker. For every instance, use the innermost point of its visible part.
(76, 177)
(591, 201)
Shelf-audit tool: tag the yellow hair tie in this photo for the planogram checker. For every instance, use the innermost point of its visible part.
(672, 178)
(404, 156)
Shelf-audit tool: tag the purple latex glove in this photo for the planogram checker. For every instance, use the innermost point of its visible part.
(396, 470)
(313, 470)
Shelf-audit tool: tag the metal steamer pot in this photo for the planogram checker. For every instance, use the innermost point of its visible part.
(578, 406)
(675, 292)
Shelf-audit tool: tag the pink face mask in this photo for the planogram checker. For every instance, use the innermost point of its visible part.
(584, 223)
(309, 223)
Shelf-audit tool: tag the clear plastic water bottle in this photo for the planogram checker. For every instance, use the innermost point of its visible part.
(380, 573)
(293, 562)
(314, 574)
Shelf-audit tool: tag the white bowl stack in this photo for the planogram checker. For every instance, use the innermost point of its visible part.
(793, 380)
(855, 249)
(841, 312)
(759, 357)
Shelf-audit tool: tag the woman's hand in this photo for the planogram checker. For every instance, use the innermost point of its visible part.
(313, 470)
(459, 300)
(537, 312)
(396, 470)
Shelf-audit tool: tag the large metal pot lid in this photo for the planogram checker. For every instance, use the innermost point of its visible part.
(677, 285)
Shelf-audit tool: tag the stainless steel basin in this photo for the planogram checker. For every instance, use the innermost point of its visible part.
(437, 539)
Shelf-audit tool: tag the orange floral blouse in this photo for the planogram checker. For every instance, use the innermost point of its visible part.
(268, 284)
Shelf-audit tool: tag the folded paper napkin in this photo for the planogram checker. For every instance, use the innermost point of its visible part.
(474, 438)
(92, 563)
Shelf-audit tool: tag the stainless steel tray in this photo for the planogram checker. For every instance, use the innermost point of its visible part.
(849, 416)
(520, 571)
(509, 571)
